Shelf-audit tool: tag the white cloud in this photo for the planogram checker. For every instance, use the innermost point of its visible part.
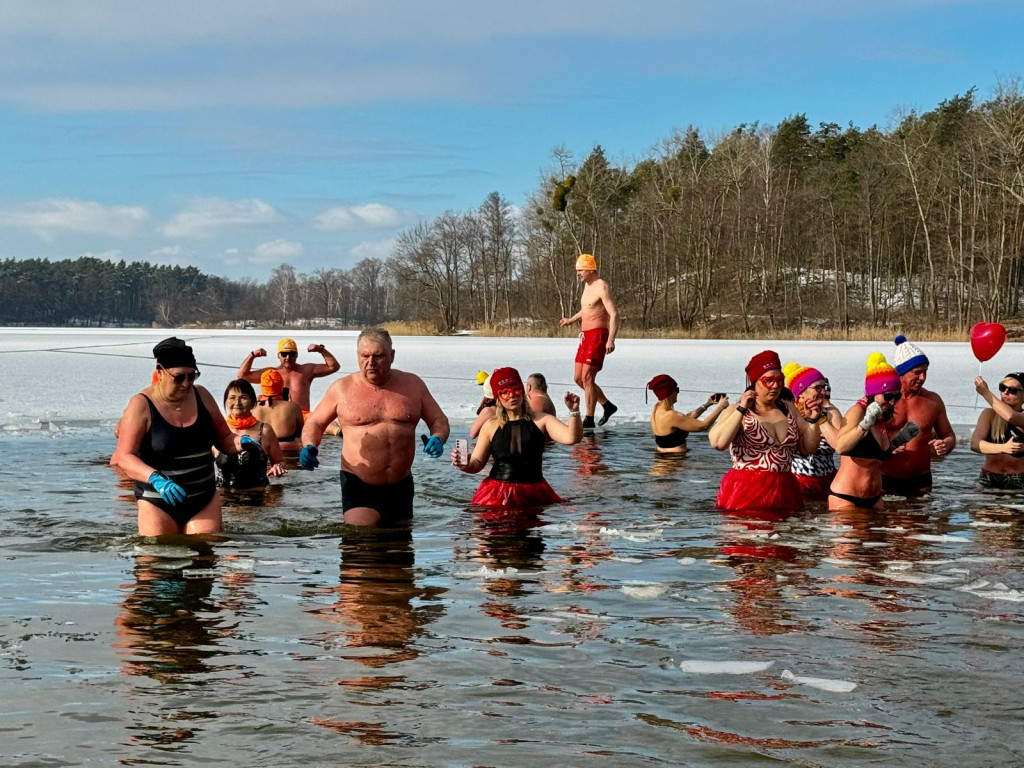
(277, 251)
(205, 217)
(374, 249)
(46, 218)
(112, 255)
(368, 216)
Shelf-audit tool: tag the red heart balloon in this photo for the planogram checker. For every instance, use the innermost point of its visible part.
(986, 340)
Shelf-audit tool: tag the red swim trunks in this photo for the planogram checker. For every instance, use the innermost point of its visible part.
(592, 348)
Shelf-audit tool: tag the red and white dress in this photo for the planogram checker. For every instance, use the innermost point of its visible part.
(762, 469)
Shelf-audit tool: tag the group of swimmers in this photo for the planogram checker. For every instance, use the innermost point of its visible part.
(783, 434)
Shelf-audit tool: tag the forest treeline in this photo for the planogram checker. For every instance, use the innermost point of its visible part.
(760, 229)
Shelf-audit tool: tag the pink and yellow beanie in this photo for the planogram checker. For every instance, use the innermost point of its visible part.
(881, 377)
(800, 377)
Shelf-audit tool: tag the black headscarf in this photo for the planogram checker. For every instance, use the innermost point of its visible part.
(174, 353)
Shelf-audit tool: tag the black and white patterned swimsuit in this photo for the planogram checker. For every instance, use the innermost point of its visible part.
(821, 463)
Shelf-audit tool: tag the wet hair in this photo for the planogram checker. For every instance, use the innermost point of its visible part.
(377, 334)
(538, 381)
(240, 385)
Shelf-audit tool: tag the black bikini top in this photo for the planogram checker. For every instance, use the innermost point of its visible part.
(673, 439)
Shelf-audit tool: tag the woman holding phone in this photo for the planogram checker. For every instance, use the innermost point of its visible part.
(516, 438)
(670, 427)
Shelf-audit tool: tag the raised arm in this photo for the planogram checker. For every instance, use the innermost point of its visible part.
(327, 367)
(566, 433)
(689, 421)
(1003, 411)
(727, 427)
(245, 369)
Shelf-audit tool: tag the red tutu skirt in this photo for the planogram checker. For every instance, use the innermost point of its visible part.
(743, 489)
(495, 493)
(815, 488)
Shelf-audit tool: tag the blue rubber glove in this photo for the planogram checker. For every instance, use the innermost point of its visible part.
(308, 457)
(169, 491)
(433, 447)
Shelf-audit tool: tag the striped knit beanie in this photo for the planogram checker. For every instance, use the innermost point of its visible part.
(907, 356)
(881, 377)
(799, 377)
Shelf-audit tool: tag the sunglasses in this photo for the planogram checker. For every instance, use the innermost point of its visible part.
(892, 397)
(818, 387)
(510, 392)
(288, 354)
(772, 381)
(181, 378)
(1009, 390)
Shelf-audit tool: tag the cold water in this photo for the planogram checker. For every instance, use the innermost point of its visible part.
(635, 625)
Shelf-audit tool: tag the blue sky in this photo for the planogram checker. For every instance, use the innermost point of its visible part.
(236, 135)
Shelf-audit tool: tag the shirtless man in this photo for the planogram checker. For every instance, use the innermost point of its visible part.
(908, 473)
(598, 322)
(283, 415)
(378, 408)
(297, 377)
(537, 392)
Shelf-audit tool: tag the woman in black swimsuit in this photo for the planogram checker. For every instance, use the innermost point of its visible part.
(999, 435)
(669, 426)
(863, 442)
(164, 444)
(516, 438)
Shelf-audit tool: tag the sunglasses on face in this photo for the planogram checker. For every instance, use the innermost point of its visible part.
(1008, 389)
(771, 381)
(288, 354)
(819, 388)
(181, 378)
(892, 397)
(510, 392)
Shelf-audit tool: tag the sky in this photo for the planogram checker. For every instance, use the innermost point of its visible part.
(238, 135)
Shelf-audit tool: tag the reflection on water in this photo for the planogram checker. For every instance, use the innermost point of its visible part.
(634, 625)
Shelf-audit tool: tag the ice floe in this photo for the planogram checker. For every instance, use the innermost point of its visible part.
(821, 683)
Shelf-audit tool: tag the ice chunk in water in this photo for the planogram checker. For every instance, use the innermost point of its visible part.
(164, 550)
(704, 667)
(821, 683)
(644, 590)
(940, 537)
(686, 560)
(199, 573)
(487, 573)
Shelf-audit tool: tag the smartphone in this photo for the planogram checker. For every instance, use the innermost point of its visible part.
(462, 447)
(719, 396)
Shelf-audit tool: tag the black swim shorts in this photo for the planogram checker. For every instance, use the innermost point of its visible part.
(392, 502)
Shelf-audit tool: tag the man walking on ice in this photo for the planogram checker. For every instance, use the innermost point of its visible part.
(598, 320)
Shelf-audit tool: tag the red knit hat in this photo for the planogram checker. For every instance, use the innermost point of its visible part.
(761, 362)
(662, 385)
(503, 378)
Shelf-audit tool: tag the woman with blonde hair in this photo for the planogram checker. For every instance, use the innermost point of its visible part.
(669, 426)
(999, 434)
(516, 438)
